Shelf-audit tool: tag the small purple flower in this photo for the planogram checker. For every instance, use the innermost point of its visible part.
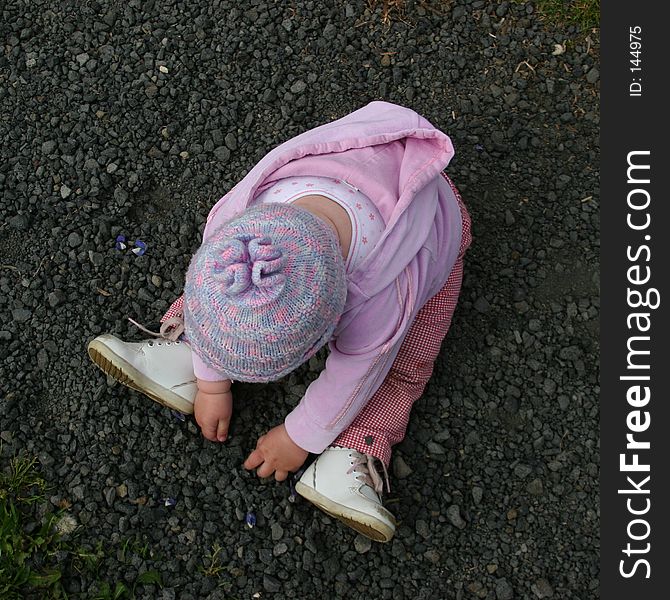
(140, 248)
(250, 520)
(170, 502)
(178, 415)
(479, 148)
(121, 242)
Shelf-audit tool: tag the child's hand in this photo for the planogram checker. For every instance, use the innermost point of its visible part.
(212, 409)
(276, 453)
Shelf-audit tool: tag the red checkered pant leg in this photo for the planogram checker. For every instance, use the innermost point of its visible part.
(383, 421)
(176, 309)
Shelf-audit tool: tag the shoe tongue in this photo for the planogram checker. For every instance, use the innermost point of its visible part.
(369, 493)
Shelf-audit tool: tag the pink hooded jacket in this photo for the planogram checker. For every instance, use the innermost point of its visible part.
(395, 157)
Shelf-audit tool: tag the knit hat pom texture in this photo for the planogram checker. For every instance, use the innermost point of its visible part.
(264, 292)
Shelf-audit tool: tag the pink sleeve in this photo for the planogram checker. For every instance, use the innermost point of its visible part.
(333, 401)
(359, 360)
(202, 371)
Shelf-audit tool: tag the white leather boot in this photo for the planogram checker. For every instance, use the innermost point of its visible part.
(345, 484)
(160, 369)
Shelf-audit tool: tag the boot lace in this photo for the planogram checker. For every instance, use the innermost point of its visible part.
(364, 465)
(171, 329)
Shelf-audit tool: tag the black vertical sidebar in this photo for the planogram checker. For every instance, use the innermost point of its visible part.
(635, 252)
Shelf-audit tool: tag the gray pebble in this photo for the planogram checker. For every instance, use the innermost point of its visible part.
(298, 87)
(19, 222)
(279, 549)
(435, 448)
(222, 153)
(423, 529)
(535, 487)
(42, 359)
(504, 590)
(593, 75)
(96, 258)
(400, 468)
(549, 386)
(271, 584)
(46, 459)
(48, 147)
(110, 495)
(542, 589)
(454, 516)
(482, 305)
(477, 494)
(518, 294)
(522, 471)
(362, 544)
(55, 298)
(512, 99)
(74, 240)
(231, 141)
(21, 315)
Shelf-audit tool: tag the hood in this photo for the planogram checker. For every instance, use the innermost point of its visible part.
(390, 153)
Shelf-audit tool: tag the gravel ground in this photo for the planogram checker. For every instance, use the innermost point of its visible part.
(133, 118)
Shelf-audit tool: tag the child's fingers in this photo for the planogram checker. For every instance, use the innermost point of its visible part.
(209, 431)
(265, 470)
(281, 475)
(253, 460)
(222, 430)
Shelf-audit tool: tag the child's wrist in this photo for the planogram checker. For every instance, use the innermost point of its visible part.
(214, 387)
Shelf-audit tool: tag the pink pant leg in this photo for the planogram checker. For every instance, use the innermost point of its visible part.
(383, 421)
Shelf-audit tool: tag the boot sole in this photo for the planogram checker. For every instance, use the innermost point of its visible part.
(361, 522)
(123, 372)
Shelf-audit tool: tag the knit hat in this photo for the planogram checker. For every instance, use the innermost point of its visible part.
(264, 292)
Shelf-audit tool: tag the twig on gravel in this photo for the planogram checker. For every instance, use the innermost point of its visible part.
(12, 267)
(39, 268)
(524, 62)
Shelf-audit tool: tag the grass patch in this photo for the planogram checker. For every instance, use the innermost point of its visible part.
(583, 13)
(214, 567)
(25, 546)
(38, 548)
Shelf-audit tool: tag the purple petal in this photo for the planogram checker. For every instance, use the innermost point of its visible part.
(169, 502)
(179, 416)
(140, 248)
(121, 242)
(250, 520)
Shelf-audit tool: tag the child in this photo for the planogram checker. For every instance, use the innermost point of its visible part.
(348, 235)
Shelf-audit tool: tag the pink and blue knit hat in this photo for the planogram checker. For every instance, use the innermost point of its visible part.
(264, 292)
